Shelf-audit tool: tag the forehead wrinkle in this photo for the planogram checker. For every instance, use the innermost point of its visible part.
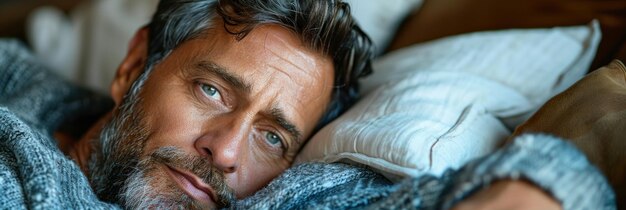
(295, 55)
(296, 76)
(291, 53)
(298, 91)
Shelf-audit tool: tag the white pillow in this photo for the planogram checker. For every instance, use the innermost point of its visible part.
(88, 46)
(381, 19)
(440, 104)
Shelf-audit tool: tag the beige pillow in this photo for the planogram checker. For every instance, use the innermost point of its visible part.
(592, 114)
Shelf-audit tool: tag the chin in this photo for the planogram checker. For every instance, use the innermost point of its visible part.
(149, 188)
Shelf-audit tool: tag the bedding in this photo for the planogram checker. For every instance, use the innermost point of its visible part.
(592, 115)
(441, 18)
(381, 19)
(88, 45)
(439, 104)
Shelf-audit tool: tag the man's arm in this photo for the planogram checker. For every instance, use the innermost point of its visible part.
(545, 168)
(587, 115)
(551, 167)
(509, 194)
(528, 174)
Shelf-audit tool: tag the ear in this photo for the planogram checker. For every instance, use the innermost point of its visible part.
(132, 66)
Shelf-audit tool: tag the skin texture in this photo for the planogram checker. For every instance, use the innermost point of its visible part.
(230, 130)
(509, 194)
(245, 106)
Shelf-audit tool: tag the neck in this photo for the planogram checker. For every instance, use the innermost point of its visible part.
(79, 150)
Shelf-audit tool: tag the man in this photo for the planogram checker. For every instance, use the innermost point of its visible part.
(212, 102)
(238, 87)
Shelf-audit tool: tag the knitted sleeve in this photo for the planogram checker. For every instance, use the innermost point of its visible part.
(39, 96)
(17, 68)
(554, 165)
(548, 162)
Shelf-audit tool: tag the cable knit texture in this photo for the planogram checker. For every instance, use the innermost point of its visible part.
(35, 174)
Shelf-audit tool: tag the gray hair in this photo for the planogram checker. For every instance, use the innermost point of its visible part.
(325, 26)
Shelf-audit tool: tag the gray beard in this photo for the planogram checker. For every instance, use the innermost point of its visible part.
(146, 189)
(119, 174)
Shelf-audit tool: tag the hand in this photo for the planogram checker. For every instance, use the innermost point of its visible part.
(510, 195)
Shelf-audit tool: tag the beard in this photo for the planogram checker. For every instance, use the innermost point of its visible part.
(120, 175)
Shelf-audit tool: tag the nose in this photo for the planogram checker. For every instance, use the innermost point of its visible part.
(222, 142)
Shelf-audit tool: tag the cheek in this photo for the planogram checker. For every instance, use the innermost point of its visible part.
(255, 175)
(173, 120)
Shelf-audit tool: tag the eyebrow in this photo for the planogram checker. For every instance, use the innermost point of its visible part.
(277, 114)
(279, 117)
(233, 80)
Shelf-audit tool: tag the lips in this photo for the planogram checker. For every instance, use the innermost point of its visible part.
(192, 185)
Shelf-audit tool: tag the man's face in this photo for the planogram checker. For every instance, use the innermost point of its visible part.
(219, 115)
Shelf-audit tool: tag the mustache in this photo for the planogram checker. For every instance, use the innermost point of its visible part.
(199, 166)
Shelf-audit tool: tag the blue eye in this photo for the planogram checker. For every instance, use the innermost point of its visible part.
(273, 139)
(211, 91)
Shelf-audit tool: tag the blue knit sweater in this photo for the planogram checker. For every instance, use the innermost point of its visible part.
(35, 174)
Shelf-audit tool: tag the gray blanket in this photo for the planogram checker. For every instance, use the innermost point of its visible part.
(35, 174)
